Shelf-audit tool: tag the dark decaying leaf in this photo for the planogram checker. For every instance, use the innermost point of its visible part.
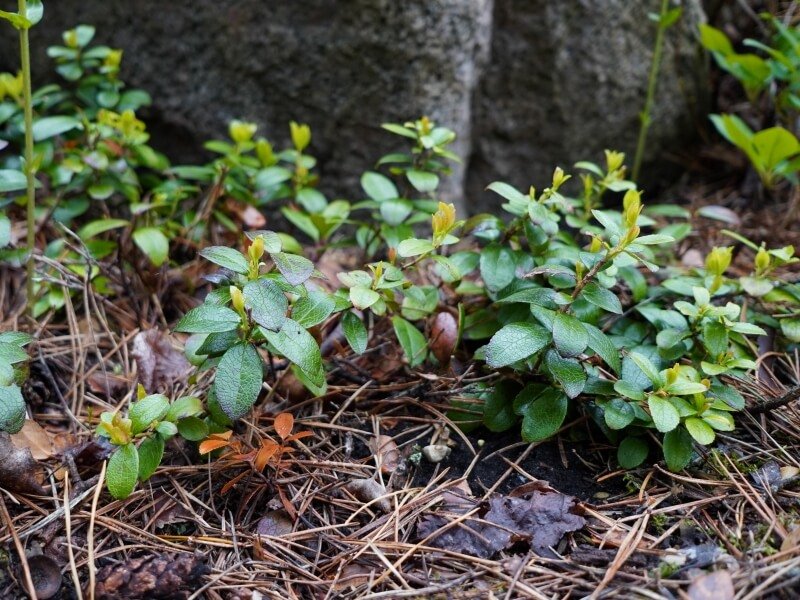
(159, 364)
(19, 472)
(539, 519)
(45, 574)
(444, 335)
(275, 523)
(165, 577)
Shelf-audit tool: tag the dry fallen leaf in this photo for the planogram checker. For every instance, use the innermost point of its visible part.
(46, 576)
(712, 586)
(158, 363)
(385, 449)
(275, 523)
(540, 519)
(369, 491)
(791, 541)
(34, 437)
(19, 472)
(444, 335)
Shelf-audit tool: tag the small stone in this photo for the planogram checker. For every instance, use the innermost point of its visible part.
(436, 453)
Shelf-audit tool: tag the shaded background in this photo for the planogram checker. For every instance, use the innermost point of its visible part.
(526, 84)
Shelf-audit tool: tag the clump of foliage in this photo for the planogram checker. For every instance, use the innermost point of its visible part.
(13, 372)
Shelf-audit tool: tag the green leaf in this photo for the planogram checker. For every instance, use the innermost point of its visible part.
(217, 343)
(569, 335)
(48, 127)
(632, 452)
(34, 12)
(791, 329)
(774, 145)
(185, 406)
(12, 409)
(12, 353)
(99, 226)
(545, 415)
(414, 247)
(664, 414)
(122, 471)
(266, 302)
(514, 342)
(700, 431)
(296, 269)
(12, 181)
(193, 429)
(355, 332)
(566, 371)
(150, 408)
(728, 395)
(227, 258)
(412, 341)
(399, 130)
(5, 231)
(395, 211)
(313, 309)
(602, 345)
(600, 296)
(508, 192)
(150, 453)
(629, 390)
(208, 318)
(362, 297)
(647, 367)
(497, 266)
(237, 384)
(300, 347)
(685, 388)
(618, 413)
(154, 244)
(678, 448)
(378, 187)
(422, 180)
(498, 410)
(715, 40)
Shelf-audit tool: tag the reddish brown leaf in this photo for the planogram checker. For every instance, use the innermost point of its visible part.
(19, 472)
(444, 335)
(159, 365)
(284, 423)
(267, 451)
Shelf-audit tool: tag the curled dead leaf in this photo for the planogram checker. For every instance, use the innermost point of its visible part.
(159, 365)
(34, 437)
(712, 586)
(275, 523)
(385, 449)
(444, 336)
(19, 472)
(370, 492)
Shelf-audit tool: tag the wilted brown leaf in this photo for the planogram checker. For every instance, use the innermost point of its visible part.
(249, 215)
(275, 523)
(159, 365)
(385, 449)
(369, 491)
(712, 586)
(46, 576)
(34, 437)
(19, 472)
(444, 335)
(540, 519)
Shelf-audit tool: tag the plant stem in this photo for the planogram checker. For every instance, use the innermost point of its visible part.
(25, 61)
(651, 92)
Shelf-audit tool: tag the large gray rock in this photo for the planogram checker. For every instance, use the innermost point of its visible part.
(567, 80)
(564, 79)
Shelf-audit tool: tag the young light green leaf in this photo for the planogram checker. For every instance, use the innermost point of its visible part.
(411, 340)
(237, 384)
(414, 247)
(228, 258)
(514, 342)
(700, 431)
(153, 243)
(664, 414)
(355, 332)
(12, 181)
(266, 302)
(47, 127)
(208, 318)
(185, 406)
(422, 181)
(99, 226)
(362, 297)
(150, 408)
(378, 187)
(150, 453)
(122, 471)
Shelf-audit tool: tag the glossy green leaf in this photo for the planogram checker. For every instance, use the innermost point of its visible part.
(150, 408)
(515, 342)
(47, 127)
(300, 347)
(569, 335)
(566, 371)
(678, 448)
(700, 431)
(355, 332)
(664, 414)
(192, 429)
(266, 302)
(313, 309)
(422, 181)
(602, 297)
(12, 180)
(296, 269)
(411, 340)
(545, 415)
(378, 187)
(497, 266)
(208, 318)
(153, 243)
(150, 453)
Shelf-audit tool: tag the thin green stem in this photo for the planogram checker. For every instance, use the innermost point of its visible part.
(25, 61)
(651, 92)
